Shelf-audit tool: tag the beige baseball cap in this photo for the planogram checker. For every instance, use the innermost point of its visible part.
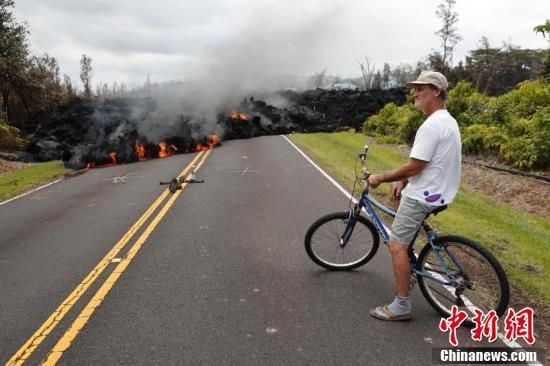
(431, 77)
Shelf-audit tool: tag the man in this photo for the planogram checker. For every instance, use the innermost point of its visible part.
(431, 177)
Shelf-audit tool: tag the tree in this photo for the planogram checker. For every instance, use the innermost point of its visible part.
(495, 71)
(13, 58)
(436, 63)
(402, 74)
(448, 33)
(544, 29)
(43, 89)
(69, 89)
(318, 79)
(114, 90)
(481, 64)
(377, 81)
(86, 74)
(367, 71)
(386, 73)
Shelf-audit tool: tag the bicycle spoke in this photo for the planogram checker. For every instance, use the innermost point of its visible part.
(476, 275)
(434, 268)
(336, 238)
(443, 294)
(324, 243)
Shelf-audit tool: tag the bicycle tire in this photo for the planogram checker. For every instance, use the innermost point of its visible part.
(330, 228)
(485, 291)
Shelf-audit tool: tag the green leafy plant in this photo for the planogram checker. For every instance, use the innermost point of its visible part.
(11, 138)
(514, 127)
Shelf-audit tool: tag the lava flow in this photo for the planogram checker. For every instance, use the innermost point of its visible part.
(141, 150)
(166, 150)
(236, 116)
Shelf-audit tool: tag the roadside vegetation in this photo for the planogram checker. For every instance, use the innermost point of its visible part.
(514, 127)
(24, 179)
(10, 137)
(519, 240)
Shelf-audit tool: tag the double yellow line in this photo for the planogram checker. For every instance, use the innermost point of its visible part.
(64, 342)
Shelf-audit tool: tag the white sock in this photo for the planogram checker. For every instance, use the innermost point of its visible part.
(400, 305)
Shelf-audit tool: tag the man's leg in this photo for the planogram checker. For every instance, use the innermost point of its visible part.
(409, 217)
(401, 267)
(400, 308)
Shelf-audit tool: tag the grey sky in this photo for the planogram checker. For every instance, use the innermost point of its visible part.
(249, 39)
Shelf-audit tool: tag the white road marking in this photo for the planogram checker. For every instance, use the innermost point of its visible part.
(34, 190)
(243, 172)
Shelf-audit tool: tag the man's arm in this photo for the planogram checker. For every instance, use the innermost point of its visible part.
(405, 171)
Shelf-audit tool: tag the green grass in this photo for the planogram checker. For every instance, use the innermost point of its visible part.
(520, 241)
(23, 179)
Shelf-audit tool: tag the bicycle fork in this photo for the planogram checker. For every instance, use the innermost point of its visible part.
(351, 221)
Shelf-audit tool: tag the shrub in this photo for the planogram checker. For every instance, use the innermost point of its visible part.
(466, 104)
(383, 123)
(514, 126)
(409, 119)
(482, 139)
(540, 134)
(521, 152)
(11, 137)
(527, 98)
(394, 124)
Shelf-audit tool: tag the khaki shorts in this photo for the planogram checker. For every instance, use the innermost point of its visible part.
(409, 216)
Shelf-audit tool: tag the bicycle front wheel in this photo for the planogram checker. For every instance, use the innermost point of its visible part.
(482, 283)
(323, 242)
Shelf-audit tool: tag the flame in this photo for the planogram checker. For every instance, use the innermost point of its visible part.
(236, 116)
(93, 164)
(166, 150)
(112, 155)
(214, 140)
(140, 151)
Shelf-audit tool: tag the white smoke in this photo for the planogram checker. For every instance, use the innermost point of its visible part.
(263, 55)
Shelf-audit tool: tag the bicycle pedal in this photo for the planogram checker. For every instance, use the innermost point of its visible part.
(412, 282)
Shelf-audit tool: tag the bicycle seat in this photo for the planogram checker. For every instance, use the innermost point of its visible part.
(438, 210)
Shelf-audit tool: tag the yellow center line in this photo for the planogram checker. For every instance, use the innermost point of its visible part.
(65, 341)
(45, 329)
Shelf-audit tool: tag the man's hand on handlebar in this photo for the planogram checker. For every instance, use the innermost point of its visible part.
(375, 180)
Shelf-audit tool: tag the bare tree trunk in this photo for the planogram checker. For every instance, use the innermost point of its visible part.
(367, 71)
(5, 104)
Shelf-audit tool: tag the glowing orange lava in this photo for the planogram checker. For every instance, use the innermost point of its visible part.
(140, 151)
(236, 116)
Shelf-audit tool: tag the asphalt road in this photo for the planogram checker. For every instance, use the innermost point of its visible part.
(222, 279)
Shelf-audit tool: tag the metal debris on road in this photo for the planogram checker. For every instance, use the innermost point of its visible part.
(176, 184)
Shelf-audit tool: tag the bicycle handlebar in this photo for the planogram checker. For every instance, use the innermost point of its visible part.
(363, 156)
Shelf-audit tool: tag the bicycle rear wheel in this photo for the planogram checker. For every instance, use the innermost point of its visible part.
(482, 280)
(322, 242)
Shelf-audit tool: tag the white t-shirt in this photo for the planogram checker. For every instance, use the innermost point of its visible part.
(437, 141)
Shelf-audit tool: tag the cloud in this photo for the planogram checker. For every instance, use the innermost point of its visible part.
(249, 40)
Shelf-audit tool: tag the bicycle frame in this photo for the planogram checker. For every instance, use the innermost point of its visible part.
(366, 202)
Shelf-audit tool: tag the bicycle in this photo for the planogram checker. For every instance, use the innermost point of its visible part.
(450, 270)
